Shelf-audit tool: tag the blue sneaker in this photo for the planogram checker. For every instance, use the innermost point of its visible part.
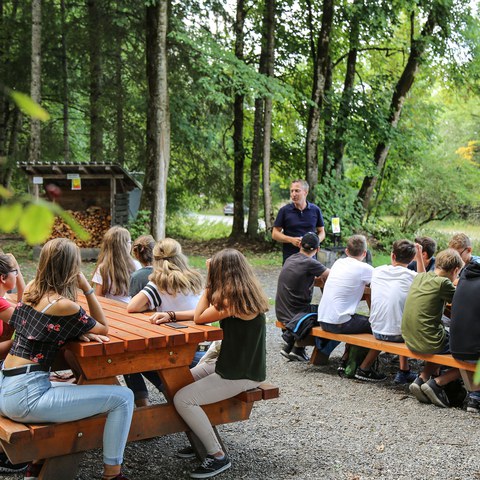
(402, 378)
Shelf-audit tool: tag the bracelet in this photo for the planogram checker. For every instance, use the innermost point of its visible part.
(88, 292)
(173, 317)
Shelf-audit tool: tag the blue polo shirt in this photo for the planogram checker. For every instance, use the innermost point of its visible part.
(428, 268)
(296, 223)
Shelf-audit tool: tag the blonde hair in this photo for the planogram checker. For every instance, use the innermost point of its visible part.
(142, 249)
(171, 272)
(459, 242)
(231, 282)
(115, 263)
(57, 271)
(448, 260)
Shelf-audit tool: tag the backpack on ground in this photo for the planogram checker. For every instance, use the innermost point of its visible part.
(356, 355)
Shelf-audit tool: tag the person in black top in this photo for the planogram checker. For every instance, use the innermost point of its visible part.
(465, 324)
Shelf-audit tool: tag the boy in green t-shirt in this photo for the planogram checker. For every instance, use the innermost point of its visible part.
(422, 326)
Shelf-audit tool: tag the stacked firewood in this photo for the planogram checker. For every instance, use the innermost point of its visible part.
(95, 220)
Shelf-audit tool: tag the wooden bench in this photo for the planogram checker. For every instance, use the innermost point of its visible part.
(367, 340)
(25, 442)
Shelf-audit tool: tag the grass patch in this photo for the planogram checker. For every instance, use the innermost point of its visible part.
(189, 227)
(380, 258)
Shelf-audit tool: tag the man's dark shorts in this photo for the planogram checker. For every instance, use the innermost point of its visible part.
(357, 324)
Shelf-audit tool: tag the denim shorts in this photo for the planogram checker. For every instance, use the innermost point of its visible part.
(388, 338)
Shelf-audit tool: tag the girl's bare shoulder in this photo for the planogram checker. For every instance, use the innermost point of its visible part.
(64, 307)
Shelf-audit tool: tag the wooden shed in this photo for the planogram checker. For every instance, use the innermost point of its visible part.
(79, 186)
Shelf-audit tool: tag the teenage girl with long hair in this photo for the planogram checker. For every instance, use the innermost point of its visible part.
(115, 265)
(47, 318)
(234, 297)
(174, 287)
(174, 291)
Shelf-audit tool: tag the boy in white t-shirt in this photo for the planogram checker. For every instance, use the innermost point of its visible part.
(389, 286)
(343, 291)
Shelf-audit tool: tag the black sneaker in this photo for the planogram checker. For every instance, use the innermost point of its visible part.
(6, 466)
(473, 405)
(415, 388)
(369, 375)
(435, 393)
(299, 354)
(211, 466)
(186, 452)
(341, 368)
(285, 351)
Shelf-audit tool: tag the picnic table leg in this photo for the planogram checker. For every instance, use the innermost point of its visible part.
(64, 467)
(467, 377)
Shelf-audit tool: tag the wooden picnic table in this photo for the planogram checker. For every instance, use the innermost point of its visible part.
(135, 345)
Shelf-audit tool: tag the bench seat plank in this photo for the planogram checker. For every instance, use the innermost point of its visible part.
(367, 340)
(23, 443)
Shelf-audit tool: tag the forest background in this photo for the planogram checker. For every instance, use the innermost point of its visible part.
(375, 103)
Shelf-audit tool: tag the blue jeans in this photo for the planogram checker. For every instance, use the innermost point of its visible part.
(32, 398)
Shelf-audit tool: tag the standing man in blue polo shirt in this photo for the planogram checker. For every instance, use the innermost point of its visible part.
(296, 219)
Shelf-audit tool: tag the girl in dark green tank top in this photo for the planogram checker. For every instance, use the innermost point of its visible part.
(233, 296)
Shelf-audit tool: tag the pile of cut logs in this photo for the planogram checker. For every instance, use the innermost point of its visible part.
(95, 220)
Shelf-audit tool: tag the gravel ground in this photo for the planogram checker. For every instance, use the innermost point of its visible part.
(322, 426)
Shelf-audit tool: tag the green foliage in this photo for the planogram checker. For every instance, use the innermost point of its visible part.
(187, 226)
(28, 106)
(141, 225)
(339, 199)
(476, 377)
(382, 233)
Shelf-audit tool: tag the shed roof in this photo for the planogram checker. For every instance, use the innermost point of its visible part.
(94, 171)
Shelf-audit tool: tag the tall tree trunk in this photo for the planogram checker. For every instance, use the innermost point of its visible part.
(402, 88)
(66, 116)
(151, 54)
(341, 124)
(120, 98)
(260, 147)
(17, 119)
(96, 110)
(35, 85)
(257, 153)
(158, 124)
(318, 89)
(267, 136)
(269, 23)
(328, 128)
(3, 97)
(119, 32)
(238, 147)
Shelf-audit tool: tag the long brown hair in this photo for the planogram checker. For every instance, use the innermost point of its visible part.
(142, 249)
(115, 262)
(171, 272)
(57, 271)
(231, 282)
